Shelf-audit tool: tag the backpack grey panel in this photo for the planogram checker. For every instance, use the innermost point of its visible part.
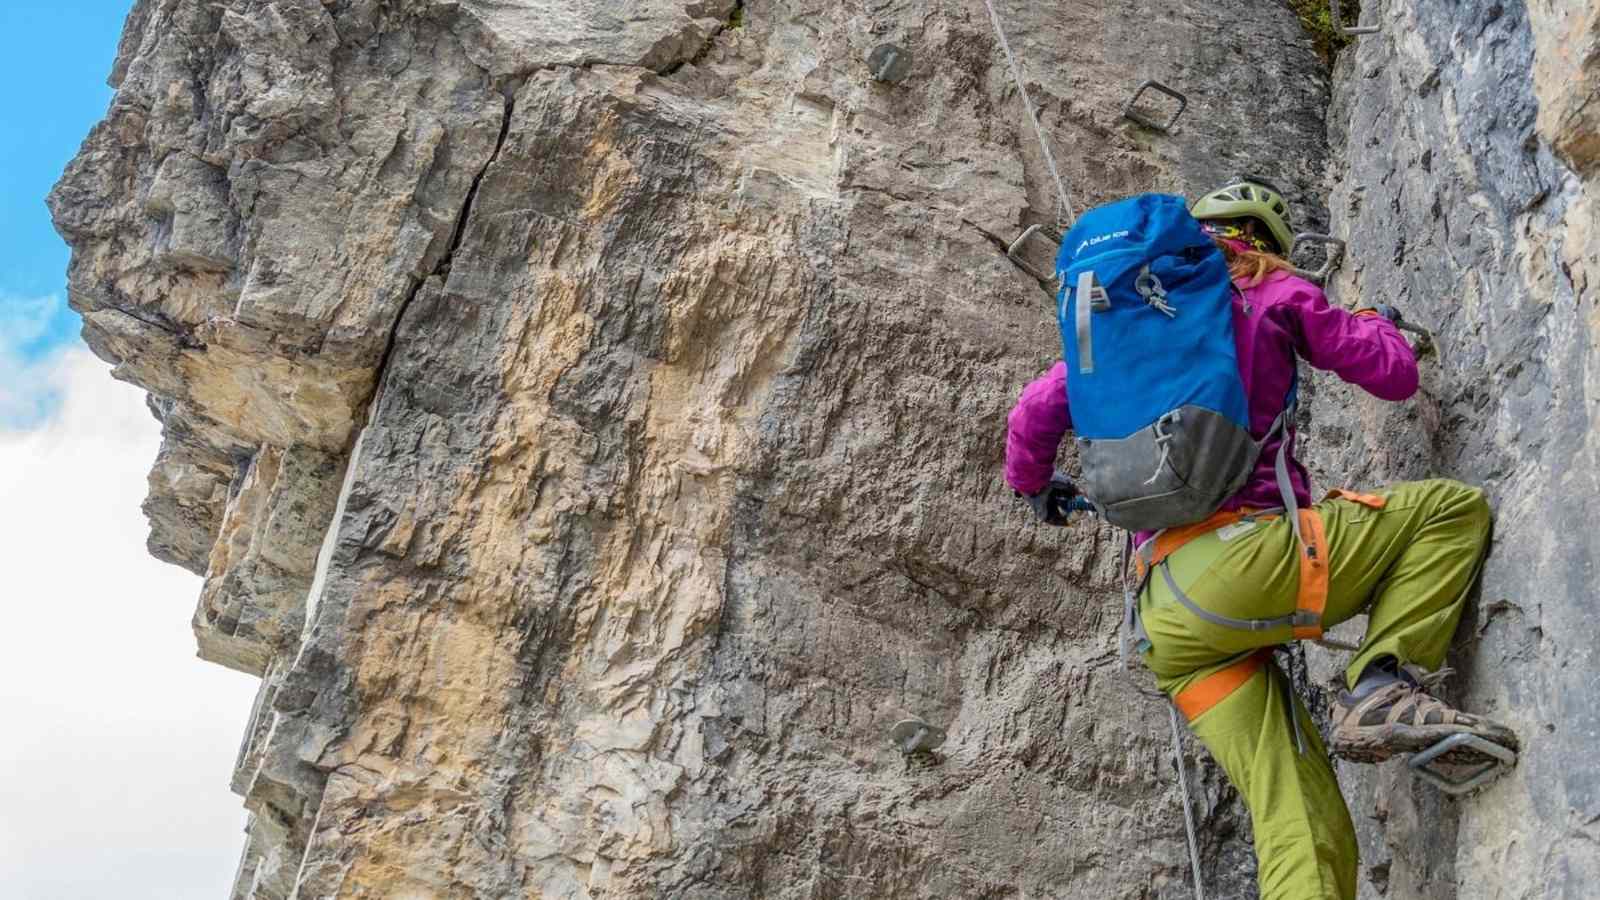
(1175, 472)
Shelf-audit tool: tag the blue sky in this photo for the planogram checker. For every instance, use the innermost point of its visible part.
(54, 59)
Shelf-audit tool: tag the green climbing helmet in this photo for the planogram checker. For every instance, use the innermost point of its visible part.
(1248, 197)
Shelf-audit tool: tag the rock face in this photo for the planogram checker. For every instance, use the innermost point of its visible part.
(587, 419)
(1465, 182)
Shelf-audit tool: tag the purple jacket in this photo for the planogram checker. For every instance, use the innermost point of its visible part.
(1276, 320)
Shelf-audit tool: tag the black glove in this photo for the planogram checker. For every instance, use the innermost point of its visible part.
(1385, 310)
(1052, 504)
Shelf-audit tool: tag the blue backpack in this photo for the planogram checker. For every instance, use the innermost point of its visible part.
(1158, 404)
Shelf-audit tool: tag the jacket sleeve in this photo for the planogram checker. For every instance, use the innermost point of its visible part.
(1366, 351)
(1034, 430)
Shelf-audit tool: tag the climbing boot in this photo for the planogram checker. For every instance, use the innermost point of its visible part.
(1401, 717)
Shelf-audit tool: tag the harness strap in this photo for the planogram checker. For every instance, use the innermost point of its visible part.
(1280, 469)
(1371, 501)
(1298, 619)
(1167, 541)
(1194, 700)
(1312, 598)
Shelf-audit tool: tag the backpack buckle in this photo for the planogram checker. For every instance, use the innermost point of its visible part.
(1150, 288)
(1099, 300)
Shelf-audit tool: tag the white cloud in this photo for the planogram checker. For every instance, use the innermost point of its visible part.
(116, 743)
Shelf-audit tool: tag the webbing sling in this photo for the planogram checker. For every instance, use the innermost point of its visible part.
(1280, 470)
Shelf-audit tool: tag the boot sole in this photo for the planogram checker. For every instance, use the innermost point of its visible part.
(1382, 742)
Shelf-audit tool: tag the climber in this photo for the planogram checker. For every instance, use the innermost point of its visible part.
(1405, 557)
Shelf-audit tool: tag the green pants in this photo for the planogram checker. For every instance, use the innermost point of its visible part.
(1407, 566)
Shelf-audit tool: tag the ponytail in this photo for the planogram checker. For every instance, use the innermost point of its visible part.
(1251, 267)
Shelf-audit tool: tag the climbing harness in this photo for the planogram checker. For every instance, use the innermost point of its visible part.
(1312, 595)
(1129, 112)
(1354, 30)
(1065, 215)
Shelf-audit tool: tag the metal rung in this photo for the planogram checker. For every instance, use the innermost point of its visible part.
(1425, 339)
(1014, 253)
(1354, 30)
(1334, 255)
(1128, 111)
(1501, 761)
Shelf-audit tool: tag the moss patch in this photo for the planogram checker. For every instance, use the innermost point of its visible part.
(1316, 17)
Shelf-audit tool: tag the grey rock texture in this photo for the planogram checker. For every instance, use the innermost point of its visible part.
(1465, 186)
(587, 419)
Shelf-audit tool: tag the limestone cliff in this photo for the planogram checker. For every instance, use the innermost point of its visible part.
(587, 419)
(1465, 137)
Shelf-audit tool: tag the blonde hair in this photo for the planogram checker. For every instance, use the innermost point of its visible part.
(1251, 267)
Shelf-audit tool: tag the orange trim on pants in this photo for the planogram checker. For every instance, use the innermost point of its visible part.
(1207, 692)
(1313, 595)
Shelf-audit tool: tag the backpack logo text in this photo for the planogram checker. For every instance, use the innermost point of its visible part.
(1099, 239)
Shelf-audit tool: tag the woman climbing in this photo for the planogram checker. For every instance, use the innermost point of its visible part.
(1405, 557)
